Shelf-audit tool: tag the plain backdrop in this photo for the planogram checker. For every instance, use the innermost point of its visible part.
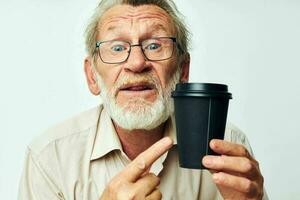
(251, 45)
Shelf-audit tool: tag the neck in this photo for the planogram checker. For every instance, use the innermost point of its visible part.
(135, 142)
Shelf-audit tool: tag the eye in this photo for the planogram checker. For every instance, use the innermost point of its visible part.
(153, 46)
(118, 48)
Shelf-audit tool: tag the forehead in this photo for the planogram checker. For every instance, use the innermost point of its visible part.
(143, 18)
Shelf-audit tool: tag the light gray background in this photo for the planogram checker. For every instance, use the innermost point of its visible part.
(251, 45)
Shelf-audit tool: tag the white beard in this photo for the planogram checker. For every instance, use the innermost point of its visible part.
(137, 113)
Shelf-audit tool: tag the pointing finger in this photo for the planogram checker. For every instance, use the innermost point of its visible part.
(141, 163)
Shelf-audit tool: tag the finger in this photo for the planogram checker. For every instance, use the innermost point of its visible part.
(212, 171)
(228, 148)
(155, 195)
(240, 184)
(233, 164)
(141, 163)
(147, 184)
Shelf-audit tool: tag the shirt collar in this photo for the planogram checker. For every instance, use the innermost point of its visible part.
(107, 140)
(170, 129)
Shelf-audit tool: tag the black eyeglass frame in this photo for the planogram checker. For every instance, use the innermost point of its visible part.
(98, 43)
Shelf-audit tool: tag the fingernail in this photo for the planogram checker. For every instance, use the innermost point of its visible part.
(212, 143)
(167, 141)
(207, 161)
(217, 177)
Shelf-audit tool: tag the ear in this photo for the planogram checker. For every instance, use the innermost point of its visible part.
(90, 75)
(185, 69)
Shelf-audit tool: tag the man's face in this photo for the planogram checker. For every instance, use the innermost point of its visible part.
(137, 84)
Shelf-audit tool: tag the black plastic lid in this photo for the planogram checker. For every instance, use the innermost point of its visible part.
(201, 89)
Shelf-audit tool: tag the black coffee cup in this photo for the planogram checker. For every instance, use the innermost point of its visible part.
(200, 115)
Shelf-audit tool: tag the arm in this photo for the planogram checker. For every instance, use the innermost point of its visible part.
(35, 183)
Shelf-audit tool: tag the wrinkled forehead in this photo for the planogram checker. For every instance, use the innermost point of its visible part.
(121, 17)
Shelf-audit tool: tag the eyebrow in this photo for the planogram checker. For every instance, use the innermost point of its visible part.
(158, 27)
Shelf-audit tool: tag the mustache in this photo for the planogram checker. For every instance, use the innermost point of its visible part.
(145, 78)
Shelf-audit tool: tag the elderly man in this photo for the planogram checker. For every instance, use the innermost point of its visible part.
(126, 147)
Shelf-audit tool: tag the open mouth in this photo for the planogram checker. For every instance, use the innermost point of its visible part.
(137, 87)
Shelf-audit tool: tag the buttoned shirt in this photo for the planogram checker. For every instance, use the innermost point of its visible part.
(77, 158)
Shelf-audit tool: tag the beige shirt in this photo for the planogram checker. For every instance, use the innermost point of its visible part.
(77, 158)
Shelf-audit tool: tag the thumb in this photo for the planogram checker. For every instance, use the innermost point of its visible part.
(142, 163)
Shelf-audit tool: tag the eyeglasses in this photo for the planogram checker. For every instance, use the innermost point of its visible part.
(118, 51)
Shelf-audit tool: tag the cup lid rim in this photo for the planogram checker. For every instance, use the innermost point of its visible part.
(207, 87)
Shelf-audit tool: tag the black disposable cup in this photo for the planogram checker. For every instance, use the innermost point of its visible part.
(200, 115)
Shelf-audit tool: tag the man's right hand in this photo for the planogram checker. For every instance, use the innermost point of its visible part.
(134, 182)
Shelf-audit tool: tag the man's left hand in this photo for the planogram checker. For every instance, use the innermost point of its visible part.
(235, 172)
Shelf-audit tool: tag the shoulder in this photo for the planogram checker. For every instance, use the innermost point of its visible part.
(75, 127)
(234, 134)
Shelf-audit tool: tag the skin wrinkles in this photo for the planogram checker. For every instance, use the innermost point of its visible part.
(134, 30)
(154, 30)
(132, 12)
(152, 26)
(236, 173)
(134, 18)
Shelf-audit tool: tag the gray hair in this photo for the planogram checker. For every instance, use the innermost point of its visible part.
(182, 33)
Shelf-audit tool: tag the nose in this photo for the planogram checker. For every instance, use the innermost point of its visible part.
(136, 61)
